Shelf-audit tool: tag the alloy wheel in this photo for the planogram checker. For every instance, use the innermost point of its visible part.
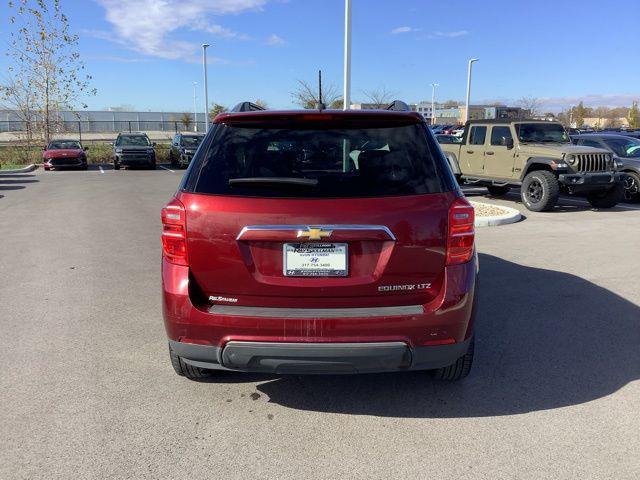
(535, 191)
(631, 188)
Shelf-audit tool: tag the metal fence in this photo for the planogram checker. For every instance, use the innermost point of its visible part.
(81, 127)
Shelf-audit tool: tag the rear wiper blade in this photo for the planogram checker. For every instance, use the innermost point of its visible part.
(272, 181)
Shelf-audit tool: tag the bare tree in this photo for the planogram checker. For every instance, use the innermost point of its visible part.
(602, 114)
(380, 97)
(216, 109)
(307, 96)
(46, 74)
(186, 120)
(634, 116)
(531, 104)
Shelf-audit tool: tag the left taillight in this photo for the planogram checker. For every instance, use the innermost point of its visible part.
(174, 233)
(461, 232)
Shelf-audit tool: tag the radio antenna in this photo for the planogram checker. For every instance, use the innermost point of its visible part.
(320, 104)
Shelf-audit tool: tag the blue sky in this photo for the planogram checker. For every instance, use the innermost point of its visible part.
(145, 53)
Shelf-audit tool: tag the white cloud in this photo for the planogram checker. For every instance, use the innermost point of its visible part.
(398, 30)
(145, 25)
(454, 34)
(275, 41)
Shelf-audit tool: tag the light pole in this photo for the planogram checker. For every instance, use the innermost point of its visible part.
(206, 92)
(471, 62)
(195, 109)
(346, 96)
(433, 102)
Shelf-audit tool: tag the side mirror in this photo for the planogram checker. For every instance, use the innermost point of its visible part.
(508, 142)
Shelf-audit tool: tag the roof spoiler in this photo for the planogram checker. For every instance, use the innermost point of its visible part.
(247, 107)
(398, 106)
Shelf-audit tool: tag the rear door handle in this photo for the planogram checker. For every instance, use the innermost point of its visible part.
(469, 151)
(489, 153)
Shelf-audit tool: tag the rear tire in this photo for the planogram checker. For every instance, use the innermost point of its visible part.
(540, 191)
(153, 165)
(607, 199)
(116, 165)
(457, 370)
(185, 370)
(497, 191)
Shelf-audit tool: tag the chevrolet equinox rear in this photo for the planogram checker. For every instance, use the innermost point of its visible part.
(319, 242)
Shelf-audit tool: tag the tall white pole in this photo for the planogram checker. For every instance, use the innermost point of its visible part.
(195, 109)
(346, 96)
(466, 114)
(433, 102)
(206, 91)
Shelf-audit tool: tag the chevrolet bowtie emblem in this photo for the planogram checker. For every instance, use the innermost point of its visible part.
(314, 233)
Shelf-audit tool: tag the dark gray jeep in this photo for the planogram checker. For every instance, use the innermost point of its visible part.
(133, 150)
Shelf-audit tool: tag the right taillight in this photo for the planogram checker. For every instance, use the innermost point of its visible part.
(174, 233)
(461, 232)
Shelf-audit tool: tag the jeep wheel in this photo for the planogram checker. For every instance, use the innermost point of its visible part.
(457, 370)
(116, 165)
(185, 370)
(497, 191)
(607, 198)
(632, 187)
(540, 191)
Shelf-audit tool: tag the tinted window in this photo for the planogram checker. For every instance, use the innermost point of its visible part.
(478, 134)
(191, 141)
(624, 147)
(312, 163)
(64, 144)
(133, 140)
(499, 135)
(542, 133)
(589, 143)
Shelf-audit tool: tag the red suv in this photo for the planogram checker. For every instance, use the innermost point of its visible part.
(319, 242)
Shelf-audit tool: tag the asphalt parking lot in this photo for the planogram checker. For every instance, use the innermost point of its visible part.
(87, 390)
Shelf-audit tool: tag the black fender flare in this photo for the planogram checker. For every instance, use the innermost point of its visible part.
(537, 161)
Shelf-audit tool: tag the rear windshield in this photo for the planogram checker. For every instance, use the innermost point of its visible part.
(318, 163)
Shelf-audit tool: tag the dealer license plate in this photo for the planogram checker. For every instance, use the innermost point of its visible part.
(315, 259)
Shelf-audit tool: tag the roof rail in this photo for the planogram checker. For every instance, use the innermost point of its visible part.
(398, 106)
(247, 107)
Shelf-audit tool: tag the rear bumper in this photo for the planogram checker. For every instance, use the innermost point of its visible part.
(386, 338)
(319, 358)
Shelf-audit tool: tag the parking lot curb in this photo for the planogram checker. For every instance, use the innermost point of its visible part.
(27, 169)
(511, 215)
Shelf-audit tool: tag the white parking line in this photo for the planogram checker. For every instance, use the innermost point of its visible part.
(165, 168)
(101, 169)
